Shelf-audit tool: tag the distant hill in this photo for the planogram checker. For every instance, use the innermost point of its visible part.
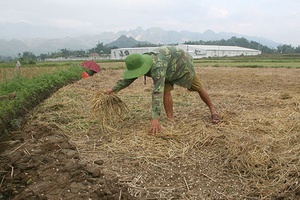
(124, 41)
(14, 40)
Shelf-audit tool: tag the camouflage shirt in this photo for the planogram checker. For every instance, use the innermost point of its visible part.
(170, 65)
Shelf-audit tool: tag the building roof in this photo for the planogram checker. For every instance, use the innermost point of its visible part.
(203, 47)
(216, 47)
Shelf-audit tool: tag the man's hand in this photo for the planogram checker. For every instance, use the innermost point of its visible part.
(155, 127)
(109, 91)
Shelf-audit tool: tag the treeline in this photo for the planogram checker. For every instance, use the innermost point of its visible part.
(243, 42)
(104, 51)
(28, 57)
(99, 49)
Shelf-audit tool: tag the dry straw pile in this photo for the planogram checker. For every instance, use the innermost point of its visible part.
(108, 109)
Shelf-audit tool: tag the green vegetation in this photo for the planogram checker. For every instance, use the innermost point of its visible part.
(22, 91)
(260, 61)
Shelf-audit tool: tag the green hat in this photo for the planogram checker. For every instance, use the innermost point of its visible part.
(137, 65)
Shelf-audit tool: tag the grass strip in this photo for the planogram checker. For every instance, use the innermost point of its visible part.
(29, 92)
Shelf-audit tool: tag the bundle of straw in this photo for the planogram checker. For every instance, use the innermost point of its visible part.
(109, 109)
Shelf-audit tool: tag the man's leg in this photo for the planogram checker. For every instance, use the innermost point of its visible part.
(168, 104)
(206, 99)
(196, 86)
(168, 101)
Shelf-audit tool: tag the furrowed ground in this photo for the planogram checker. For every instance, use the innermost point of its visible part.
(62, 152)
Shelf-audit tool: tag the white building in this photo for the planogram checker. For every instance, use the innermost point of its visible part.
(121, 53)
(196, 51)
(205, 51)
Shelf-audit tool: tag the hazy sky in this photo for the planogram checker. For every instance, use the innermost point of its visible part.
(278, 20)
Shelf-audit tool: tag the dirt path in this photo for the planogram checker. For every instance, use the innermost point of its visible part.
(60, 152)
(40, 163)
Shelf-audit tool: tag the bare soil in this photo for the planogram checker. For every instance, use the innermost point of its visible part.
(60, 152)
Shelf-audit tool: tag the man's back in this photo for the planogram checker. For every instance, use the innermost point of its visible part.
(174, 64)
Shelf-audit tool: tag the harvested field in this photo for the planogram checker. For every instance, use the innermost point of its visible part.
(254, 153)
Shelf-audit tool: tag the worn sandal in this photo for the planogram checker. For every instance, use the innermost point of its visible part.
(215, 118)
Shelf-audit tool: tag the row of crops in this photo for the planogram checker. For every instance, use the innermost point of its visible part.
(21, 90)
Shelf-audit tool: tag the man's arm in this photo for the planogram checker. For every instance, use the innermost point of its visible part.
(158, 77)
(122, 83)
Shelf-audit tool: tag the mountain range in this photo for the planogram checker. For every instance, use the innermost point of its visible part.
(21, 37)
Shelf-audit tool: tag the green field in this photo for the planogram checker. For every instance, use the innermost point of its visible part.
(22, 90)
(274, 61)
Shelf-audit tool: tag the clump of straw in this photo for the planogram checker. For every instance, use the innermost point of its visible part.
(109, 109)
